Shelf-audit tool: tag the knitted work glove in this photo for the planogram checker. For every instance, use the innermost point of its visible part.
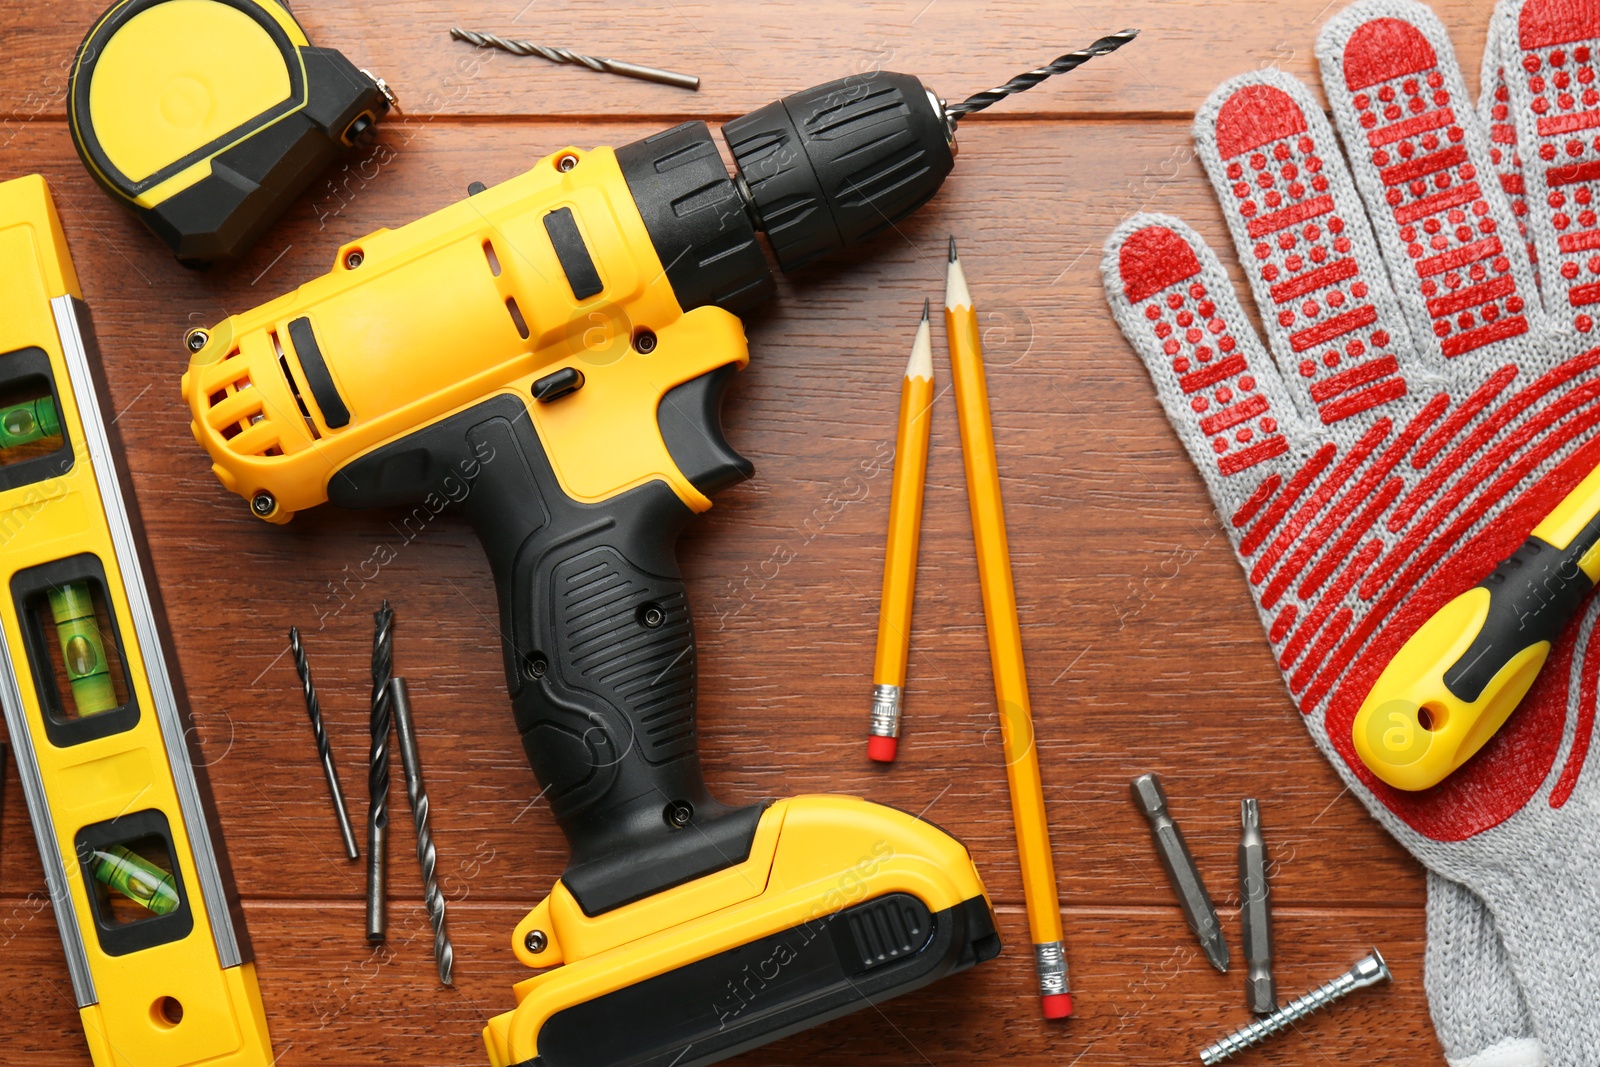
(1407, 435)
(1473, 996)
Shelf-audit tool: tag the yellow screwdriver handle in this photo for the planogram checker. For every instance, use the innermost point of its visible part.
(1457, 679)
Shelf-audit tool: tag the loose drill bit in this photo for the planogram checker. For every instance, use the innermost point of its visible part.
(1369, 970)
(1185, 877)
(314, 710)
(417, 794)
(1255, 912)
(564, 55)
(954, 113)
(378, 772)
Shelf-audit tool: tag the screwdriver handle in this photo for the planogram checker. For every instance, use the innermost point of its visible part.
(1457, 679)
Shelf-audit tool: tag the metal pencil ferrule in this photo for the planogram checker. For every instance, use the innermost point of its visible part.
(885, 711)
(1050, 958)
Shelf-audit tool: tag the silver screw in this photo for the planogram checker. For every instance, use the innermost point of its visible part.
(536, 941)
(1369, 970)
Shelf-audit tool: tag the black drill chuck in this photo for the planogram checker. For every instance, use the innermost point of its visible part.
(818, 171)
(834, 165)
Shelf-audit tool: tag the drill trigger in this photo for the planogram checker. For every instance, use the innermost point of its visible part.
(690, 420)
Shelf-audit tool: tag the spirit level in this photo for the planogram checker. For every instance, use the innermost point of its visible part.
(157, 952)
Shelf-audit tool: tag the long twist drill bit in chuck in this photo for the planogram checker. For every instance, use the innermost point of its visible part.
(314, 710)
(565, 55)
(1180, 867)
(417, 794)
(954, 113)
(378, 772)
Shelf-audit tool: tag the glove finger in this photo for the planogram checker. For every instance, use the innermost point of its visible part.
(1221, 391)
(1421, 160)
(1327, 308)
(1549, 51)
(1494, 115)
(1475, 999)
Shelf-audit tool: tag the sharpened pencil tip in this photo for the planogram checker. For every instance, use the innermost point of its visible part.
(924, 309)
(952, 248)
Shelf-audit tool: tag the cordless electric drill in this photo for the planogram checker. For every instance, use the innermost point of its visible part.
(548, 356)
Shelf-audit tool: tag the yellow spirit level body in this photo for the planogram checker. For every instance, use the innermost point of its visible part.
(159, 958)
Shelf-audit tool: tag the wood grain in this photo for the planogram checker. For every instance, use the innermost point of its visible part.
(1145, 652)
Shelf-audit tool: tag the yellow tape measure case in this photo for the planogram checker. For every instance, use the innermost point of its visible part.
(208, 117)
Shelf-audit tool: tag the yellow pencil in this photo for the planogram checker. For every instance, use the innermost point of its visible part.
(900, 557)
(1005, 643)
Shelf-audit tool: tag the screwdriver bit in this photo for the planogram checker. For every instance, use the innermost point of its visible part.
(1255, 912)
(1185, 877)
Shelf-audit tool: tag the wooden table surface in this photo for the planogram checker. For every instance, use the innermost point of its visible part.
(1145, 653)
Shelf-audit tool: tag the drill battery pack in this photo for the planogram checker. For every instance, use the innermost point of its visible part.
(839, 904)
(157, 952)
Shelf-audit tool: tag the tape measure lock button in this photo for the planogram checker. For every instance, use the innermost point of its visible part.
(207, 118)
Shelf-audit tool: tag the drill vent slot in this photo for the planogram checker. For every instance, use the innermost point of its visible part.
(494, 260)
(294, 388)
(516, 317)
(247, 419)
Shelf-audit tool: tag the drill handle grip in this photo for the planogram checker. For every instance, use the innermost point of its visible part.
(598, 643)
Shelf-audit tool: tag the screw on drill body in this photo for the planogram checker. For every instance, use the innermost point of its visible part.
(417, 794)
(1369, 970)
(378, 772)
(566, 55)
(314, 711)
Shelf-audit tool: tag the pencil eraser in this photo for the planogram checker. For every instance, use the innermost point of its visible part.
(1057, 1005)
(882, 749)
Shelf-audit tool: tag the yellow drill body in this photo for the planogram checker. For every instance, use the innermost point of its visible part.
(416, 323)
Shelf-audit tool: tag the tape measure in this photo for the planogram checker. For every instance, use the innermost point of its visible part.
(156, 950)
(208, 117)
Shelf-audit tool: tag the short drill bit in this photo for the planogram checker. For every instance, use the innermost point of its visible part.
(954, 113)
(314, 710)
(417, 794)
(1255, 912)
(1369, 970)
(1179, 864)
(378, 772)
(565, 55)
